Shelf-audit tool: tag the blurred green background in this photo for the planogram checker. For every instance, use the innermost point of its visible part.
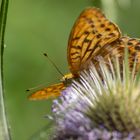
(38, 26)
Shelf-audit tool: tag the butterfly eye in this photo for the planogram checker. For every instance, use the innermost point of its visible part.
(63, 79)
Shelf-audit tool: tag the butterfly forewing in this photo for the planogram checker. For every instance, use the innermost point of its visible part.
(90, 33)
(49, 92)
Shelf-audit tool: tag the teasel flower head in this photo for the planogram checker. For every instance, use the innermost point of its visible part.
(103, 104)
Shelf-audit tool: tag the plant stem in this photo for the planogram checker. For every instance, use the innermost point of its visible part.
(4, 131)
(110, 8)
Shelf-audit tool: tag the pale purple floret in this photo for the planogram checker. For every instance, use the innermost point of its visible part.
(73, 124)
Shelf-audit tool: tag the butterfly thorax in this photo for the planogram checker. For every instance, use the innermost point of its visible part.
(67, 79)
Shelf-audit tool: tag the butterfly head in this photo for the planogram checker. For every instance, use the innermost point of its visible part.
(67, 78)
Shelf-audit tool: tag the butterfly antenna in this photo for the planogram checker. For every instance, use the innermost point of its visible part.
(35, 88)
(30, 89)
(45, 54)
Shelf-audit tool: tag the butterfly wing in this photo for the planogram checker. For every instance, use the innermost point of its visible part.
(90, 34)
(49, 92)
(117, 49)
(133, 46)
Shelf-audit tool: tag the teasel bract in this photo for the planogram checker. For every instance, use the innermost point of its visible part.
(103, 104)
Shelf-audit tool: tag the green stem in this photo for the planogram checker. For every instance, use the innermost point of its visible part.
(110, 9)
(4, 131)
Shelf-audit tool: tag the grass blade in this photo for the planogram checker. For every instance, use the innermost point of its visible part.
(4, 131)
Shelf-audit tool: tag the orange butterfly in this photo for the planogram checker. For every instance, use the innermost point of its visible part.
(92, 36)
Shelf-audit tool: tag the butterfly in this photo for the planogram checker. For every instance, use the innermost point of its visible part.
(92, 36)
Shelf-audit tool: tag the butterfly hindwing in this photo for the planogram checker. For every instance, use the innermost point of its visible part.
(49, 92)
(117, 49)
(133, 46)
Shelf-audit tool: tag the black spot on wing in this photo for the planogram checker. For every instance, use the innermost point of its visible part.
(129, 43)
(90, 21)
(107, 29)
(76, 47)
(86, 32)
(75, 53)
(102, 25)
(99, 35)
(86, 40)
(137, 47)
(76, 38)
